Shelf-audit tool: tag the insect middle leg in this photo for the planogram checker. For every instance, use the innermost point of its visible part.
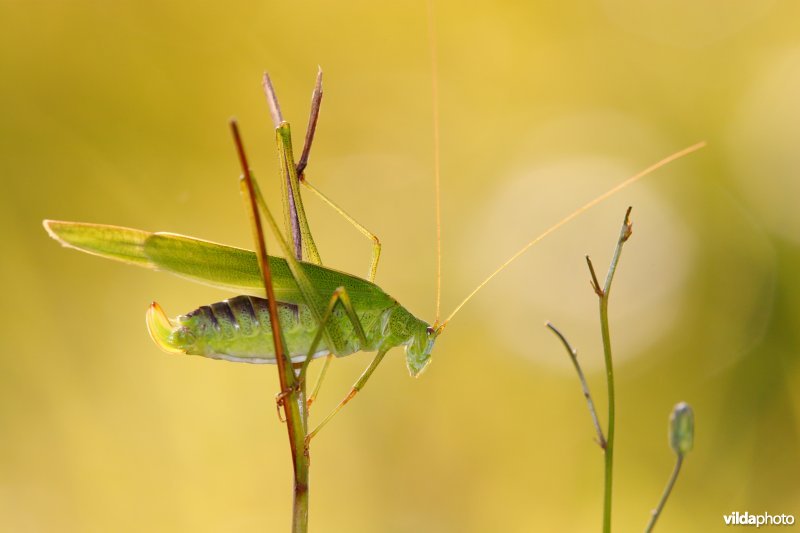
(376, 243)
(339, 295)
(373, 267)
(300, 168)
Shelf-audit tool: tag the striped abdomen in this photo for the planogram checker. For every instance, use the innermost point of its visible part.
(239, 329)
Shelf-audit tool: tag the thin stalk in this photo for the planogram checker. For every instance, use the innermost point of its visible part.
(681, 440)
(292, 395)
(667, 490)
(300, 452)
(609, 449)
(603, 294)
(573, 355)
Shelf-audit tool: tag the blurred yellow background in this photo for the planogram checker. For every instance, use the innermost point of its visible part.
(115, 112)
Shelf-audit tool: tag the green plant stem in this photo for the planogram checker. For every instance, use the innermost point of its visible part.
(603, 295)
(667, 490)
(297, 415)
(609, 449)
(301, 459)
(292, 395)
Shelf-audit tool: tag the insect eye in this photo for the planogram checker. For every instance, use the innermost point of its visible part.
(429, 330)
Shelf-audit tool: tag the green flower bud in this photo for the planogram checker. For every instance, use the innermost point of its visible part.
(681, 428)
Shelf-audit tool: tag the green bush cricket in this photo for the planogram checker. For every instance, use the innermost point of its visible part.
(321, 311)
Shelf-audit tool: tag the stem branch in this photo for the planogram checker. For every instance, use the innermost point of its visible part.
(573, 354)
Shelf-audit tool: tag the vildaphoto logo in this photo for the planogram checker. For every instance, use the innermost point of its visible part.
(764, 519)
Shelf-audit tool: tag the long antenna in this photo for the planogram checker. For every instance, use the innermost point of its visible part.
(436, 157)
(589, 205)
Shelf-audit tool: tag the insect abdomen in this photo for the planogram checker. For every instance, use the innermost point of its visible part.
(237, 329)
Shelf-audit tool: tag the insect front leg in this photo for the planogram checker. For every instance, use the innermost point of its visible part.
(357, 386)
(320, 378)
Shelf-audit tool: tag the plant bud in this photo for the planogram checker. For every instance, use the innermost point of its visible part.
(681, 428)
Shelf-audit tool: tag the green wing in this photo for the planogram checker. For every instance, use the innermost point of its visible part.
(209, 263)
